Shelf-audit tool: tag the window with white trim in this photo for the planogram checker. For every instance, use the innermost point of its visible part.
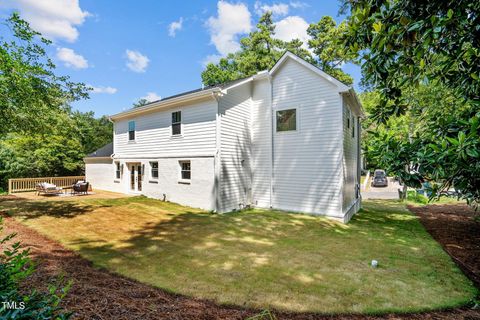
(353, 127)
(154, 169)
(176, 123)
(287, 120)
(117, 170)
(185, 170)
(131, 130)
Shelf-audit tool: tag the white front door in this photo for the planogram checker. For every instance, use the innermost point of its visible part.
(135, 177)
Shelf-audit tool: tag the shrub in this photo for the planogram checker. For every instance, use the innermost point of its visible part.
(15, 267)
(416, 197)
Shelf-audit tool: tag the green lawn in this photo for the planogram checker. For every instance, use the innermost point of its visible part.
(260, 258)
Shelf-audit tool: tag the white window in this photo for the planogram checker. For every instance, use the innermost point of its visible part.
(353, 127)
(131, 130)
(176, 123)
(154, 170)
(348, 119)
(287, 120)
(117, 170)
(185, 170)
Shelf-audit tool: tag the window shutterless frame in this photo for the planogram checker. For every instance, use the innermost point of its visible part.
(176, 123)
(117, 170)
(131, 130)
(185, 170)
(286, 120)
(154, 169)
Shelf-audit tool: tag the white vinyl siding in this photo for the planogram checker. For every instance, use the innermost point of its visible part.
(235, 148)
(350, 149)
(154, 138)
(307, 162)
(261, 143)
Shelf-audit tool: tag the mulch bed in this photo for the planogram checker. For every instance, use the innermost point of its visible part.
(454, 227)
(100, 294)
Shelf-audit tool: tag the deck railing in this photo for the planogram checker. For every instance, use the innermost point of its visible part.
(29, 184)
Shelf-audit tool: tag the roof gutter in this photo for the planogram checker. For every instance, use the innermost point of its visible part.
(351, 92)
(166, 103)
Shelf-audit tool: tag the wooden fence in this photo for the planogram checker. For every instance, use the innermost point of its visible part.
(29, 184)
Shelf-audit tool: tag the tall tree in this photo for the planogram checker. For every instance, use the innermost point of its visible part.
(328, 48)
(259, 51)
(140, 103)
(39, 134)
(410, 42)
(30, 92)
(423, 57)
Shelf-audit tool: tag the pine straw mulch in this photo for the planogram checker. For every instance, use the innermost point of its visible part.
(454, 227)
(100, 294)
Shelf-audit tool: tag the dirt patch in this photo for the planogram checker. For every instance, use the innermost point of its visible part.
(454, 227)
(100, 294)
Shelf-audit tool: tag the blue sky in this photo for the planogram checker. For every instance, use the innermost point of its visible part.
(133, 49)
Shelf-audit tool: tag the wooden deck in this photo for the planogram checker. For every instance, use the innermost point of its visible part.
(95, 194)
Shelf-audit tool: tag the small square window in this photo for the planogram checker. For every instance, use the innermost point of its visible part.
(131, 130)
(154, 170)
(176, 123)
(185, 170)
(287, 120)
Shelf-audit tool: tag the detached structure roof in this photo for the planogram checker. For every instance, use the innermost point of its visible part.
(104, 152)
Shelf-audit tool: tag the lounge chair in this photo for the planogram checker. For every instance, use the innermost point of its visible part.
(80, 187)
(47, 188)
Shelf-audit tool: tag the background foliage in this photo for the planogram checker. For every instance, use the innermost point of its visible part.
(40, 135)
(422, 60)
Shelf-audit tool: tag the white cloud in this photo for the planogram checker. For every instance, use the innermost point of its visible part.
(277, 9)
(137, 62)
(151, 96)
(107, 90)
(174, 27)
(232, 20)
(54, 19)
(292, 27)
(211, 58)
(71, 59)
(298, 5)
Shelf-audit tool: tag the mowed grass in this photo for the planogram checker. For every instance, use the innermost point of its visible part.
(261, 258)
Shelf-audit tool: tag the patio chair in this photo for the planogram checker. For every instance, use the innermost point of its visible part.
(47, 188)
(80, 187)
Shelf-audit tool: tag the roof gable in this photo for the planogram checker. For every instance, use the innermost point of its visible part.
(288, 55)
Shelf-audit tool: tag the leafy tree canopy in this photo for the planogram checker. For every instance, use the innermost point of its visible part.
(260, 50)
(140, 103)
(39, 134)
(423, 57)
(412, 42)
(30, 92)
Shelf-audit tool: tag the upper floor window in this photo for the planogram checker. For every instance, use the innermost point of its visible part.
(287, 120)
(131, 130)
(348, 119)
(177, 123)
(353, 127)
(154, 170)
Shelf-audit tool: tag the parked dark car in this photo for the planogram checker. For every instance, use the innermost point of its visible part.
(379, 179)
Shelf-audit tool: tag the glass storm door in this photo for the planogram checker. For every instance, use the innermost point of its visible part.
(136, 177)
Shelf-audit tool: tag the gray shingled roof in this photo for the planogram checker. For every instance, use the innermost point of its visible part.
(221, 86)
(105, 151)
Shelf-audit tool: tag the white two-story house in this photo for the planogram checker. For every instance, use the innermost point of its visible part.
(287, 138)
